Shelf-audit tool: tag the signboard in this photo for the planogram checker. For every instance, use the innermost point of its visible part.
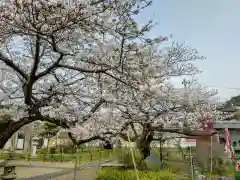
(189, 142)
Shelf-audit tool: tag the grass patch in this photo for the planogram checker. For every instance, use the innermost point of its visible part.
(112, 174)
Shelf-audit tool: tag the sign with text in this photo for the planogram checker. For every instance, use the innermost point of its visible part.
(190, 142)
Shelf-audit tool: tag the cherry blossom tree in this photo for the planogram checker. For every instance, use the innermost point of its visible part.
(157, 106)
(88, 66)
(59, 60)
(166, 115)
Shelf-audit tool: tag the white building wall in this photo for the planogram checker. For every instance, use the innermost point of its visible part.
(20, 143)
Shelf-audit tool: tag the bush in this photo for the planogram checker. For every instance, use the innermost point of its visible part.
(14, 156)
(67, 149)
(143, 175)
(43, 151)
(127, 160)
(220, 167)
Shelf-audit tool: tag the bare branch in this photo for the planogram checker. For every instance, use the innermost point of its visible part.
(10, 64)
(94, 109)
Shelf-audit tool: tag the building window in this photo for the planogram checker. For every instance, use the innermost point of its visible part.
(21, 135)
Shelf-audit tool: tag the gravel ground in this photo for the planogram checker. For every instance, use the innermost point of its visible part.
(86, 174)
(42, 164)
(54, 171)
(24, 172)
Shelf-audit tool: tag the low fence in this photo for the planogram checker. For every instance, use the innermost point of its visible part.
(82, 157)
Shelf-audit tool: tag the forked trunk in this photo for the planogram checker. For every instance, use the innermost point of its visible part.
(143, 144)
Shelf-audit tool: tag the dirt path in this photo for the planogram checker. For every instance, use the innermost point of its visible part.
(56, 171)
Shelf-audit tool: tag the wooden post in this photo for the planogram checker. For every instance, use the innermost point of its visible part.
(191, 161)
(48, 153)
(29, 156)
(211, 155)
(91, 157)
(76, 163)
(76, 156)
(61, 154)
(99, 161)
(44, 157)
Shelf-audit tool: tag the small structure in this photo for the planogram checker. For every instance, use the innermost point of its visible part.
(9, 172)
(233, 125)
(34, 146)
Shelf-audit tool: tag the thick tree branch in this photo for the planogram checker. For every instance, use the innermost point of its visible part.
(83, 141)
(10, 64)
(32, 78)
(9, 127)
(36, 57)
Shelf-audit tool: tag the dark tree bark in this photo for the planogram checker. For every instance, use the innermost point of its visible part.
(8, 128)
(143, 143)
(107, 144)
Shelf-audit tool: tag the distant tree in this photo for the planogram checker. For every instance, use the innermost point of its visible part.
(49, 130)
(230, 108)
(235, 101)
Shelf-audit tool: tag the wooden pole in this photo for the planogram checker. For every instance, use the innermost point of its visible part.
(191, 161)
(211, 155)
(76, 162)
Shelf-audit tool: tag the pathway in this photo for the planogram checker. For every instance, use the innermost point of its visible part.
(56, 171)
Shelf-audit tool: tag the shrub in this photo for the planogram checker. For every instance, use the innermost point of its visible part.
(127, 160)
(43, 151)
(67, 149)
(14, 156)
(143, 175)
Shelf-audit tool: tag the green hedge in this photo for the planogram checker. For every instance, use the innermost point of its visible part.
(143, 175)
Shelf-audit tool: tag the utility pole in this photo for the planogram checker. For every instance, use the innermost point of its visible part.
(186, 84)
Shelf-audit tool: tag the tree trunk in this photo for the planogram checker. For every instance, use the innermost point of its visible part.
(143, 144)
(7, 129)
